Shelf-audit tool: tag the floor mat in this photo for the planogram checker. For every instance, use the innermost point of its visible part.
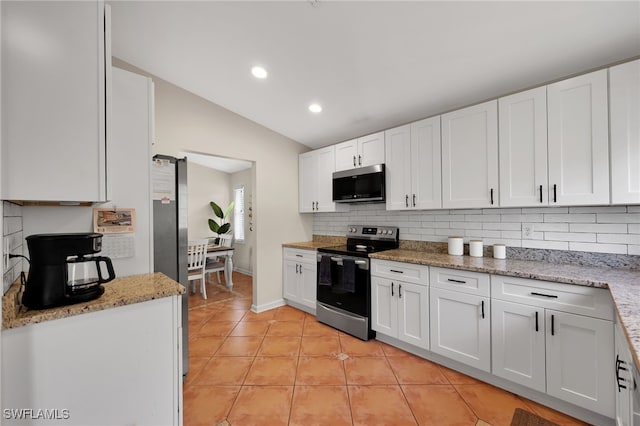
(525, 418)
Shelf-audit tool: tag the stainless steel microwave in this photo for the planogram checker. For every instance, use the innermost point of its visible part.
(359, 185)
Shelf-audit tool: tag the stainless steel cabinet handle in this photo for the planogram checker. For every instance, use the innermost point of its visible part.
(414, 200)
(555, 189)
(406, 200)
(359, 160)
(536, 321)
(391, 289)
(354, 161)
(400, 291)
(540, 193)
(396, 271)
(482, 309)
(553, 325)
(491, 196)
(456, 281)
(297, 268)
(550, 296)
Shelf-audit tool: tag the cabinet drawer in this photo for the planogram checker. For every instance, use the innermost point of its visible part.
(300, 255)
(577, 299)
(463, 281)
(407, 272)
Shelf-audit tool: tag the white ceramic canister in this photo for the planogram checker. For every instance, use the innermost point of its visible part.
(475, 248)
(456, 246)
(499, 251)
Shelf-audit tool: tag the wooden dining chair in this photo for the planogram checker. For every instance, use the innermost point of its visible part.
(217, 264)
(196, 263)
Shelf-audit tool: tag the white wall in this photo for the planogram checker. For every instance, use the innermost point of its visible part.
(606, 229)
(244, 252)
(204, 185)
(186, 122)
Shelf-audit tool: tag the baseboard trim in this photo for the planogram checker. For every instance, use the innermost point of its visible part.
(265, 307)
(243, 271)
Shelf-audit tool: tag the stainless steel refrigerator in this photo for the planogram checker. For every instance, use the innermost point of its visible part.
(170, 238)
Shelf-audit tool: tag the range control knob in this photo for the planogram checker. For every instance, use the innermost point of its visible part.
(353, 229)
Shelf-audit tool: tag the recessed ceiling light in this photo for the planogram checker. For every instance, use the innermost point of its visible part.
(259, 72)
(315, 108)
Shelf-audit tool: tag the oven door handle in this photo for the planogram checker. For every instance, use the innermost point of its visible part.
(338, 260)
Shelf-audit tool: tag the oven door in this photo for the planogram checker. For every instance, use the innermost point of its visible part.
(344, 288)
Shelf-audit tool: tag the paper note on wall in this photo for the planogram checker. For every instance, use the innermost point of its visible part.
(163, 180)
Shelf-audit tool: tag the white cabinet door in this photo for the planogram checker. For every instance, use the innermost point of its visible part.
(624, 104)
(518, 346)
(307, 182)
(315, 187)
(580, 355)
(55, 89)
(308, 284)
(460, 327)
(290, 277)
(470, 157)
(413, 314)
(398, 171)
(326, 164)
(426, 159)
(384, 307)
(371, 150)
(523, 148)
(578, 132)
(346, 155)
(361, 152)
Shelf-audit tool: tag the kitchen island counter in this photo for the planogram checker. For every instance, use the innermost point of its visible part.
(119, 292)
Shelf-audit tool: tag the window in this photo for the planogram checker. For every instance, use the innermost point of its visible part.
(238, 214)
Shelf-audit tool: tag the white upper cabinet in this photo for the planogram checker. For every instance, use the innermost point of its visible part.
(56, 60)
(624, 104)
(315, 174)
(413, 179)
(361, 152)
(470, 157)
(523, 148)
(578, 135)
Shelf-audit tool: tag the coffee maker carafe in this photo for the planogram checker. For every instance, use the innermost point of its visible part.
(62, 270)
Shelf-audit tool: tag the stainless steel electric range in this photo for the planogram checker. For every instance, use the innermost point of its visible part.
(344, 280)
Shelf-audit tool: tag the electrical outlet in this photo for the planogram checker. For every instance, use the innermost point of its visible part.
(527, 230)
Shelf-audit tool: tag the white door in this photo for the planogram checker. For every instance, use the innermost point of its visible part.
(346, 155)
(398, 167)
(371, 150)
(470, 157)
(307, 182)
(426, 159)
(580, 361)
(308, 284)
(324, 179)
(518, 348)
(384, 306)
(460, 327)
(624, 104)
(523, 148)
(578, 132)
(291, 280)
(413, 314)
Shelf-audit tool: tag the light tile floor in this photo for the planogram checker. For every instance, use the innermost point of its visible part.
(282, 367)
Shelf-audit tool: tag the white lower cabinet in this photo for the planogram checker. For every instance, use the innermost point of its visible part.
(564, 353)
(299, 277)
(460, 316)
(400, 307)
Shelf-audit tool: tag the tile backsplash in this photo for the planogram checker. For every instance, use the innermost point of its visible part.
(606, 229)
(12, 235)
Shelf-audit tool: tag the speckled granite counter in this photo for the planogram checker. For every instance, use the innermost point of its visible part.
(623, 284)
(119, 292)
(318, 242)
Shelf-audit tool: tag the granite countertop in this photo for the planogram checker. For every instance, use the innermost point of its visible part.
(308, 245)
(119, 292)
(624, 285)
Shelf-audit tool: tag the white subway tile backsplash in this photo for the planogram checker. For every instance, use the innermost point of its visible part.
(619, 218)
(570, 218)
(599, 248)
(570, 236)
(613, 229)
(617, 228)
(619, 238)
(549, 245)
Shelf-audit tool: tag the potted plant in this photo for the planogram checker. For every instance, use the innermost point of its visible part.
(220, 225)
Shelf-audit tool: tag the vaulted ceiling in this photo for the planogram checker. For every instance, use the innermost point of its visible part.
(372, 65)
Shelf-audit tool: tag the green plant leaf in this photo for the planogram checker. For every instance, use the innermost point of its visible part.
(216, 210)
(229, 209)
(224, 228)
(213, 225)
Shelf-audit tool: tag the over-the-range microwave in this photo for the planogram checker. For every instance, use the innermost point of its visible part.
(359, 185)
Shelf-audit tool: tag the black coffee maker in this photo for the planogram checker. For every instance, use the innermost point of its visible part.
(62, 272)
